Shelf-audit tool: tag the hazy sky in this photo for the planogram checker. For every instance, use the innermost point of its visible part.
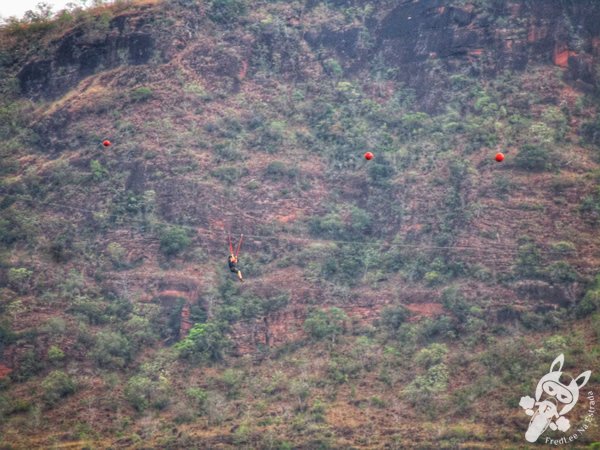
(17, 8)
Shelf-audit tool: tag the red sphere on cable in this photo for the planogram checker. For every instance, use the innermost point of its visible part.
(369, 156)
(499, 157)
(106, 143)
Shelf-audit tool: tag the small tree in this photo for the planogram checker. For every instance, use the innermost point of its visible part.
(431, 355)
(57, 385)
(199, 398)
(116, 252)
(55, 354)
(529, 260)
(19, 278)
(111, 349)
(141, 94)
(561, 272)
(173, 240)
(392, 317)
(590, 302)
(205, 341)
(143, 392)
(99, 172)
(321, 324)
(224, 11)
(533, 158)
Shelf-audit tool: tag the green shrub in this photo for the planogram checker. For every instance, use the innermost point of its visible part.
(590, 207)
(139, 331)
(377, 402)
(300, 389)
(533, 158)
(414, 124)
(54, 326)
(590, 302)
(7, 336)
(226, 151)
(365, 352)
(508, 360)
(232, 380)
(502, 185)
(542, 321)
(199, 397)
(205, 342)
(13, 406)
(61, 247)
(392, 317)
(73, 285)
(380, 173)
(141, 94)
(441, 327)
(99, 172)
(564, 247)
(227, 174)
(253, 185)
(118, 308)
(173, 240)
(333, 67)
(55, 354)
(19, 278)
(321, 323)
(360, 222)
(349, 264)
(556, 121)
(28, 365)
(432, 355)
(422, 391)
(143, 392)
(92, 309)
(277, 170)
(591, 131)
(561, 272)
(126, 204)
(225, 11)
(112, 350)
(455, 303)
(116, 253)
(528, 260)
(57, 385)
(542, 134)
(329, 225)
(15, 227)
(433, 278)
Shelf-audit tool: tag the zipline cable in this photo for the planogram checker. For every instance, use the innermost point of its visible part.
(207, 232)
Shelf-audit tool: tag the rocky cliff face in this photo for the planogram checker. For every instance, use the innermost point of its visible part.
(125, 40)
(416, 36)
(413, 37)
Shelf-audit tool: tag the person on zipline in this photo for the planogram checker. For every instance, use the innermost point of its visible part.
(232, 261)
(234, 258)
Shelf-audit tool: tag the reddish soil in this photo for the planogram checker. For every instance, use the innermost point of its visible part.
(561, 56)
(172, 294)
(4, 371)
(425, 309)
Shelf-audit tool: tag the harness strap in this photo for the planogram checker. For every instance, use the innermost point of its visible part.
(239, 246)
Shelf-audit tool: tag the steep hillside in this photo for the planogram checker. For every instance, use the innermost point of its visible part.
(405, 302)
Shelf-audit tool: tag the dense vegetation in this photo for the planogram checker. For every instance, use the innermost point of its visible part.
(408, 301)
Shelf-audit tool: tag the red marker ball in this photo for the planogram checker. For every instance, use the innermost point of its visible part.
(499, 157)
(368, 156)
(106, 143)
